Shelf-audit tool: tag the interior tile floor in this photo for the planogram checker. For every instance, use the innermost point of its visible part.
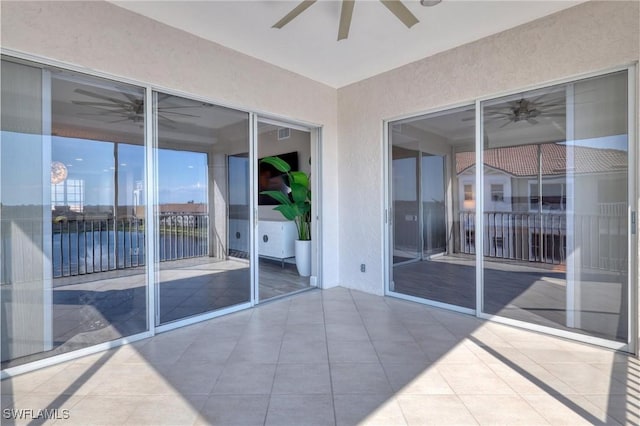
(95, 308)
(339, 357)
(526, 291)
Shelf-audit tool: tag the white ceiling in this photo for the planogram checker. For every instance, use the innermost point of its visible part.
(377, 41)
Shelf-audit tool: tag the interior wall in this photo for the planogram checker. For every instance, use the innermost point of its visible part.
(589, 37)
(102, 37)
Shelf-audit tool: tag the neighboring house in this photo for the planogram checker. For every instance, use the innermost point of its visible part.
(528, 189)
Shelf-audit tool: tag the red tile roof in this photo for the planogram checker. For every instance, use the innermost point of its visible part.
(523, 160)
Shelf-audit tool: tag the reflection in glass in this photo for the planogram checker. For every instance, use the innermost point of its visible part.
(555, 207)
(202, 205)
(73, 234)
(432, 170)
(278, 273)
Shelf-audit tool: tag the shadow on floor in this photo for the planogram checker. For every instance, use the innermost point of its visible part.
(339, 357)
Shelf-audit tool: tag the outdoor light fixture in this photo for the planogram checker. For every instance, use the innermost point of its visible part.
(429, 3)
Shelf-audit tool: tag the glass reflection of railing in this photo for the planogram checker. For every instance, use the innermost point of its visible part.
(542, 237)
(183, 236)
(87, 246)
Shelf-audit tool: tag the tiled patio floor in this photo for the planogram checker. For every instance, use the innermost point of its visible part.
(339, 357)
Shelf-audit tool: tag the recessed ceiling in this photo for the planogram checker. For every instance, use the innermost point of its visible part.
(377, 41)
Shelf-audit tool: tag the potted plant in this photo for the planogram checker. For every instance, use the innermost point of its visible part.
(296, 206)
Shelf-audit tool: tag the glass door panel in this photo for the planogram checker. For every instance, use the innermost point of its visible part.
(432, 171)
(407, 240)
(72, 221)
(434, 219)
(555, 207)
(202, 209)
(280, 272)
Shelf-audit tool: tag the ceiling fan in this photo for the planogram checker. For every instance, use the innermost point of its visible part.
(524, 110)
(395, 6)
(131, 108)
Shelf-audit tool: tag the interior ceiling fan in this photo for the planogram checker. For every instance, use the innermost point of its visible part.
(130, 108)
(395, 6)
(524, 110)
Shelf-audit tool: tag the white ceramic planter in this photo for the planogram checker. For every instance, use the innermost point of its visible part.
(303, 257)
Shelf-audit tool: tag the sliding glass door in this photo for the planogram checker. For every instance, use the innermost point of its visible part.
(125, 211)
(550, 212)
(202, 207)
(432, 167)
(72, 220)
(556, 207)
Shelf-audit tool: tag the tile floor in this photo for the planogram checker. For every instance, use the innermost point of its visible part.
(339, 357)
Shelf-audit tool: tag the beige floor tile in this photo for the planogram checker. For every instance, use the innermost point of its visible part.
(529, 378)
(449, 353)
(76, 379)
(134, 383)
(192, 378)
(102, 410)
(352, 351)
(625, 409)
(25, 409)
(373, 360)
(435, 410)
(368, 409)
(246, 379)
(474, 379)
(166, 410)
(417, 379)
(302, 379)
(502, 410)
(568, 410)
(624, 372)
(296, 410)
(303, 350)
(390, 351)
(496, 354)
(586, 379)
(25, 383)
(359, 378)
(234, 410)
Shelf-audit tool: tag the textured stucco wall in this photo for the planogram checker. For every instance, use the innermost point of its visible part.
(589, 37)
(103, 37)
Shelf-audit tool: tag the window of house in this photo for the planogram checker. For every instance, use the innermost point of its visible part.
(554, 196)
(497, 192)
(468, 192)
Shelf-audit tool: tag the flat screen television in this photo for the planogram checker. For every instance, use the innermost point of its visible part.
(270, 179)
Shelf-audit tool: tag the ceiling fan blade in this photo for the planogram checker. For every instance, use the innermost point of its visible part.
(100, 114)
(468, 119)
(294, 13)
(165, 118)
(402, 13)
(164, 108)
(506, 124)
(177, 113)
(96, 104)
(532, 121)
(105, 111)
(345, 18)
(118, 121)
(132, 98)
(103, 97)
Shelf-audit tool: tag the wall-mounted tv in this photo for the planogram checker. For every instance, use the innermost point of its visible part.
(270, 179)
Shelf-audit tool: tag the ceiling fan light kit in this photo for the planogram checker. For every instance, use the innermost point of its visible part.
(346, 12)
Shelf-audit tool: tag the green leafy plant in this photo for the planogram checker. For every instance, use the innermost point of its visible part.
(296, 205)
